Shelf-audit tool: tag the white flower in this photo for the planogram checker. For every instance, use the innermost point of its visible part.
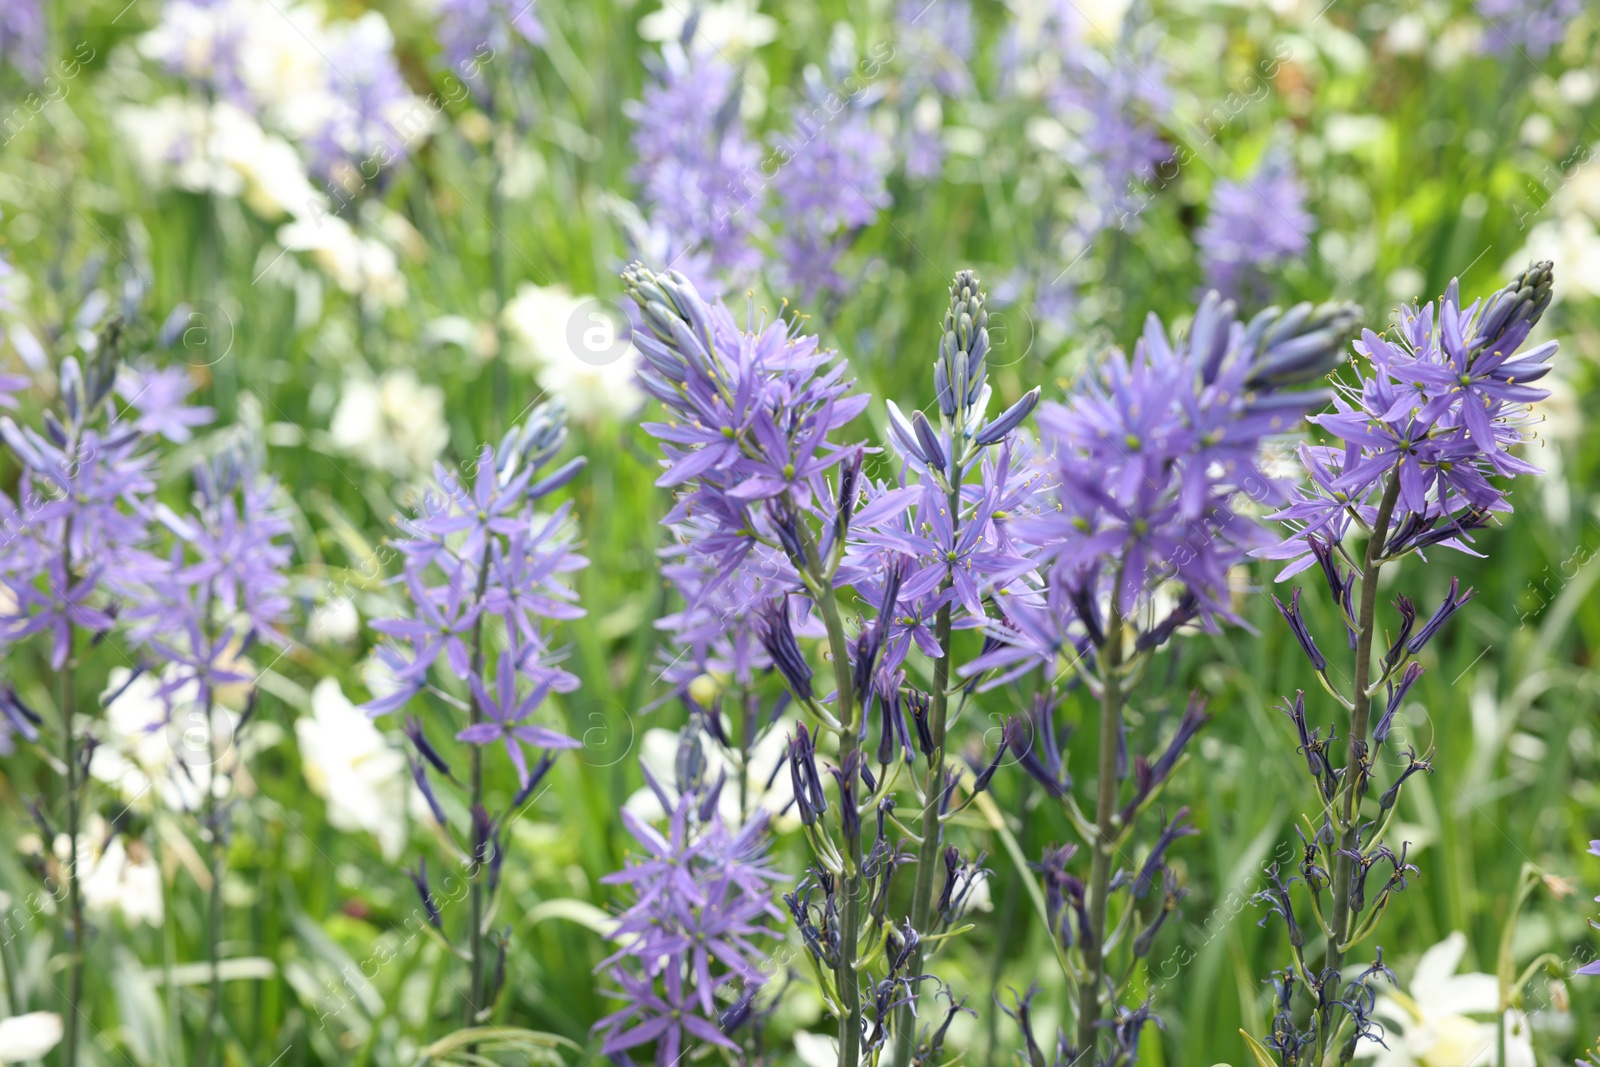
(350, 764)
(1572, 243)
(118, 875)
(357, 264)
(156, 747)
(726, 27)
(574, 345)
(337, 621)
(123, 878)
(1435, 1025)
(394, 424)
(1089, 20)
(218, 149)
(29, 1037)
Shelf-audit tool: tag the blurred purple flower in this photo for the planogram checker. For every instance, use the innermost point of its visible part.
(475, 32)
(1255, 225)
(23, 45)
(830, 182)
(1534, 27)
(697, 168)
(371, 115)
(158, 395)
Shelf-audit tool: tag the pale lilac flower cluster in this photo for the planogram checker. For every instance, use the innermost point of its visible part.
(694, 939)
(223, 585)
(202, 42)
(1532, 27)
(1108, 98)
(829, 183)
(22, 36)
(370, 113)
(1108, 101)
(76, 534)
(1255, 226)
(934, 40)
(697, 165)
(1430, 419)
(476, 33)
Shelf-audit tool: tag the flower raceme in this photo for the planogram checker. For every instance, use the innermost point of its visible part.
(483, 572)
(773, 516)
(1430, 418)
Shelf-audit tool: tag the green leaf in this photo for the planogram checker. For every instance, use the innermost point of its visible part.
(1256, 1050)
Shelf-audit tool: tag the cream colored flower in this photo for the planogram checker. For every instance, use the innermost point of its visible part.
(350, 764)
(576, 347)
(357, 264)
(395, 424)
(1571, 242)
(335, 621)
(156, 748)
(1448, 1020)
(725, 28)
(29, 1037)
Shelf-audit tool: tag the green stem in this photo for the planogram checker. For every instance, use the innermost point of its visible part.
(847, 978)
(497, 268)
(477, 994)
(1111, 704)
(211, 819)
(69, 1039)
(67, 697)
(214, 915)
(1349, 801)
(932, 790)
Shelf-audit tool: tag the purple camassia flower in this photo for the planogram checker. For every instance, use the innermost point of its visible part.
(752, 416)
(715, 632)
(935, 37)
(748, 442)
(22, 36)
(1105, 97)
(1440, 406)
(363, 135)
(1149, 456)
(477, 552)
(78, 528)
(200, 41)
(701, 895)
(223, 586)
(1592, 969)
(1534, 27)
(474, 33)
(698, 169)
(158, 395)
(1255, 225)
(829, 183)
